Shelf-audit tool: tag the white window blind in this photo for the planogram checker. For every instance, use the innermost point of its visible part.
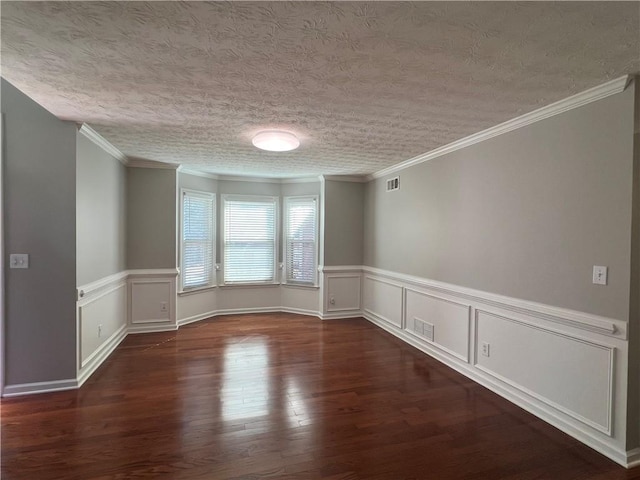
(249, 240)
(301, 239)
(197, 239)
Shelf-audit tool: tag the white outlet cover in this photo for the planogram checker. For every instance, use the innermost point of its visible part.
(19, 260)
(600, 275)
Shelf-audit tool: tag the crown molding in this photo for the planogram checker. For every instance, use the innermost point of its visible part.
(100, 141)
(591, 95)
(300, 180)
(197, 173)
(240, 178)
(347, 178)
(141, 163)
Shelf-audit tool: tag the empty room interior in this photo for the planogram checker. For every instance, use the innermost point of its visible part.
(320, 240)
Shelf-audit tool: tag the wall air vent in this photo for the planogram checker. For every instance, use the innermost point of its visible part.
(424, 329)
(393, 184)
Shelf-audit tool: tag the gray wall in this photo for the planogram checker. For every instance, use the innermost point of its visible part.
(151, 218)
(100, 213)
(39, 190)
(526, 214)
(343, 222)
(633, 411)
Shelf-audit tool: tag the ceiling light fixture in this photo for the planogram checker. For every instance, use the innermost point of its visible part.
(275, 141)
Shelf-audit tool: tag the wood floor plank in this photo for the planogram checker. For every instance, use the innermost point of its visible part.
(283, 396)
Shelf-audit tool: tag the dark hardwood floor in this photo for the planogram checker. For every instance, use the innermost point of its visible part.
(288, 397)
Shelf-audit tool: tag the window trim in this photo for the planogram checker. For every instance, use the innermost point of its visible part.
(276, 247)
(285, 235)
(213, 280)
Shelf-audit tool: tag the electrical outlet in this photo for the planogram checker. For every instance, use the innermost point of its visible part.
(485, 349)
(99, 330)
(599, 275)
(163, 306)
(19, 260)
(332, 300)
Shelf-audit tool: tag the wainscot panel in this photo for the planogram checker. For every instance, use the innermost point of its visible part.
(442, 322)
(383, 299)
(566, 367)
(572, 375)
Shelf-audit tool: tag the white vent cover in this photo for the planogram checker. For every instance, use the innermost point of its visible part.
(422, 328)
(393, 184)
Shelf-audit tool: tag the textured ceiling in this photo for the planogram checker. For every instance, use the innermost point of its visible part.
(364, 85)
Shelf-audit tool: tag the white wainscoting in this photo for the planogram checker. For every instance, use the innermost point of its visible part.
(303, 300)
(383, 300)
(152, 300)
(229, 300)
(101, 322)
(570, 374)
(450, 321)
(566, 367)
(341, 292)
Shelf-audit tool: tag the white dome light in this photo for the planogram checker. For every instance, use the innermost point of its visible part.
(276, 141)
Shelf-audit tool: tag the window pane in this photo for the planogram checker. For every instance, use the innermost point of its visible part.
(301, 240)
(249, 241)
(197, 239)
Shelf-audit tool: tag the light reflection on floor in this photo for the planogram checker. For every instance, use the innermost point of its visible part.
(245, 391)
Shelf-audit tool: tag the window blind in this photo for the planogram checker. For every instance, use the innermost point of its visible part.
(301, 238)
(249, 240)
(197, 239)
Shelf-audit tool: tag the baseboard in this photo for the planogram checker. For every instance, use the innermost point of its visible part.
(101, 354)
(39, 387)
(197, 318)
(339, 315)
(633, 458)
(301, 311)
(532, 406)
(135, 329)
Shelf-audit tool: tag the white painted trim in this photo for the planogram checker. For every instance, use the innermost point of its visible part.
(300, 311)
(342, 315)
(537, 408)
(88, 290)
(103, 143)
(300, 180)
(591, 95)
(340, 269)
(93, 362)
(329, 277)
(242, 311)
(585, 321)
(633, 458)
(241, 178)
(465, 358)
(347, 178)
(197, 173)
(197, 318)
(606, 429)
(146, 280)
(142, 163)
(153, 273)
(155, 328)
(39, 387)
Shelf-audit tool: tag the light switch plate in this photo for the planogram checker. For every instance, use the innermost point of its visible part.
(19, 260)
(599, 275)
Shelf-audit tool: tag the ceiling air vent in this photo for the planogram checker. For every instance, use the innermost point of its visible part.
(393, 184)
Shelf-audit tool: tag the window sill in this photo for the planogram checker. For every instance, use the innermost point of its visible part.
(192, 291)
(248, 285)
(301, 286)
